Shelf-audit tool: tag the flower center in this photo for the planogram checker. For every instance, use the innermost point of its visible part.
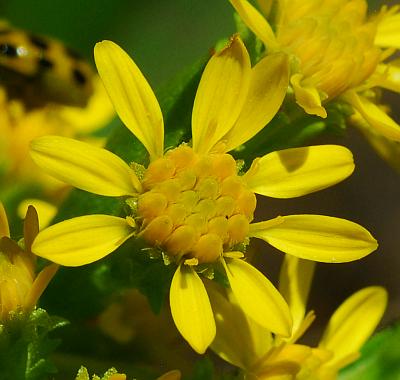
(193, 205)
(333, 42)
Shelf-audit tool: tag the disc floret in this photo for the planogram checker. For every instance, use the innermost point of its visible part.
(195, 206)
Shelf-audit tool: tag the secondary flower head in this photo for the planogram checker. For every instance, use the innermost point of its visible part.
(335, 49)
(20, 287)
(261, 355)
(194, 203)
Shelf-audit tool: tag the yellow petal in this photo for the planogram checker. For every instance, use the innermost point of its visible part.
(265, 6)
(175, 374)
(388, 76)
(256, 22)
(388, 31)
(191, 309)
(222, 91)
(295, 172)
(4, 229)
(9, 246)
(388, 150)
(284, 363)
(84, 166)
(46, 210)
(82, 240)
(294, 284)
(354, 322)
(307, 97)
(377, 118)
(317, 237)
(302, 327)
(239, 340)
(39, 285)
(31, 227)
(131, 95)
(265, 305)
(268, 86)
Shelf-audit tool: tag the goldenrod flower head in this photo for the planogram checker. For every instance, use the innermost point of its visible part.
(20, 287)
(194, 203)
(335, 49)
(247, 345)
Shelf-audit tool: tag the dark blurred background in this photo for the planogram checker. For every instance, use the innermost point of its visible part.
(166, 36)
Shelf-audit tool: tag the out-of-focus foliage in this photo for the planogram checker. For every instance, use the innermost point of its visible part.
(25, 345)
(380, 358)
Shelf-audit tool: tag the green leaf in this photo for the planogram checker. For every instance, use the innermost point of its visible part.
(292, 127)
(25, 345)
(380, 358)
(203, 370)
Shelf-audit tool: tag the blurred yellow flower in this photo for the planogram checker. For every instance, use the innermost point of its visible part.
(20, 125)
(335, 50)
(249, 346)
(20, 286)
(388, 150)
(193, 203)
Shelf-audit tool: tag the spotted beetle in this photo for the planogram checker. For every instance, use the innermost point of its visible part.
(40, 70)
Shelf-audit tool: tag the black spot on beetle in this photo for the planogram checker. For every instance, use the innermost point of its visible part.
(45, 63)
(38, 42)
(8, 50)
(72, 53)
(79, 77)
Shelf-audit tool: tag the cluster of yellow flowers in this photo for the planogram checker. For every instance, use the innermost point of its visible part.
(195, 203)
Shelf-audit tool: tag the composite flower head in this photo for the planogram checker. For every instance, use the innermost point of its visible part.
(261, 355)
(20, 286)
(193, 202)
(335, 50)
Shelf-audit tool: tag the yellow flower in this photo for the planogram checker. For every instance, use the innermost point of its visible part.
(46, 210)
(20, 125)
(20, 286)
(193, 203)
(113, 374)
(249, 346)
(335, 50)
